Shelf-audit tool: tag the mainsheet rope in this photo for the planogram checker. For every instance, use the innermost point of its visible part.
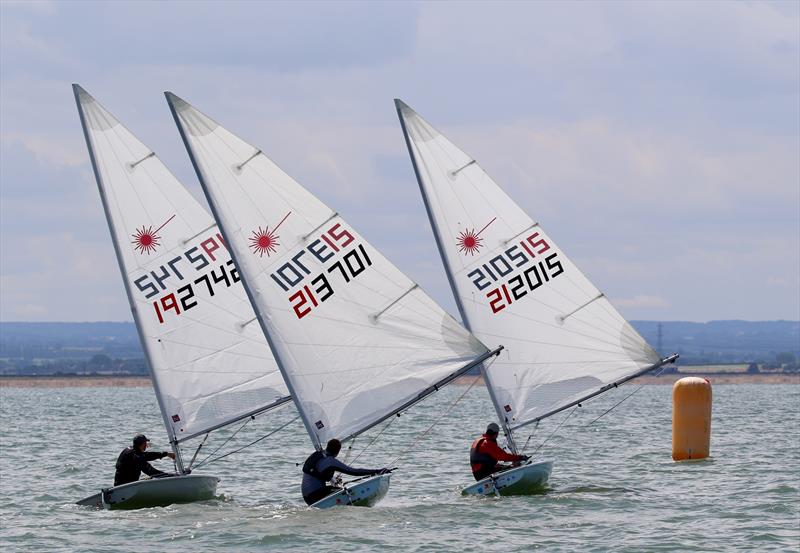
(206, 462)
(623, 399)
(607, 411)
(436, 421)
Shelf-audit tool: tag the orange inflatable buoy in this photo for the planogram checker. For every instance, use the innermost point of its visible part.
(691, 418)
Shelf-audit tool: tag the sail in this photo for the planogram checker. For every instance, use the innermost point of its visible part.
(563, 339)
(356, 339)
(208, 363)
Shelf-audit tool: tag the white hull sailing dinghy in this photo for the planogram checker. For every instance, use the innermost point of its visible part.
(527, 479)
(364, 493)
(355, 339)
(208, 366)
(154, 492)
(564, 341)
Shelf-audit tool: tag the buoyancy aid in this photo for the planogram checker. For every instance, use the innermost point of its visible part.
(478, 460)
(310, 467)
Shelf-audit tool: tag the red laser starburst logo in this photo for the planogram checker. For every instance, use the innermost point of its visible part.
(146, 240)
(470, 242)
(265, 241)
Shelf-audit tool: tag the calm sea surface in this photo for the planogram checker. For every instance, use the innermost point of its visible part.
(613, 487)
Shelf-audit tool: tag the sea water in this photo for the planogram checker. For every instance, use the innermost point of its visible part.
(614, 485)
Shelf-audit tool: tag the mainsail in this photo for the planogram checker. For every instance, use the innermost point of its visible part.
(209, 365)
(563, 339)
(355, 338)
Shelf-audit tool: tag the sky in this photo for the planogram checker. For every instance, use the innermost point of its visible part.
(657, 143)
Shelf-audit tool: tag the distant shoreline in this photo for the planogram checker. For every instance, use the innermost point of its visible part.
(75, 381)
(670, 379)
(127, 381)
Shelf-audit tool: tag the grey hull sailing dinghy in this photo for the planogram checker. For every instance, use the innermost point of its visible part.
(564, 341)
(208, 367)
(355, 339)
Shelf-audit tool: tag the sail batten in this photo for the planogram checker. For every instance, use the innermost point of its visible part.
(316, 285)
(183, 292)
(563, 337)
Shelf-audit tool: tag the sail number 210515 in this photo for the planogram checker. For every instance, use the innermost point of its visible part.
(520, 270)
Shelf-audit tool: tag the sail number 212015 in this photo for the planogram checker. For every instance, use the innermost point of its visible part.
(520, 269)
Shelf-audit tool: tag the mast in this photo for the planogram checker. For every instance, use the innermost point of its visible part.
(245, 283)
(437, 235)
(76, 89)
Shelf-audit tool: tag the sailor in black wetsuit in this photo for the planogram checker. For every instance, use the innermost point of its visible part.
(134, 460)
(319, 468)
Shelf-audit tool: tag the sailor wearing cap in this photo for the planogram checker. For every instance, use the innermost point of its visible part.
(485, 454)
(133, 461)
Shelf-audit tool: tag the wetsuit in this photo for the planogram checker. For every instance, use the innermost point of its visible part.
(131, 463)
(315, 484)
(485, 454)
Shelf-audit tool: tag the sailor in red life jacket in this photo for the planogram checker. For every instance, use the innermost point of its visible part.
(485, 454)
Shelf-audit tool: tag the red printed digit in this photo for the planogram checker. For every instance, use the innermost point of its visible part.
(310, 295)
(494, 302)
(330, 243)
(505, 291)
(540, 242)
(210, 246)
(170, 302)
(158, 312)
(297, 306)
(343, 234)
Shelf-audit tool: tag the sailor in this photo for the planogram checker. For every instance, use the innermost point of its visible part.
(485, 454)
(134, 460)
(319, 468)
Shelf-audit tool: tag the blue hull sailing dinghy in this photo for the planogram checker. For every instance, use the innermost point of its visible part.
(208, 366)
(356, 340)
(564, 341)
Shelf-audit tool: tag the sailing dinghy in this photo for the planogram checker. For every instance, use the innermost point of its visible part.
(355, 339)
(564, 341)
(208, 366)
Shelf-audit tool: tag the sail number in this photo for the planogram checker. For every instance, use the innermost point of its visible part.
(328, 247)
(183, 298)
(529, 280)
(521, 269)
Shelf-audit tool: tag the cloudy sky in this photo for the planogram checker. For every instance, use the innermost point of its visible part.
(656, 142)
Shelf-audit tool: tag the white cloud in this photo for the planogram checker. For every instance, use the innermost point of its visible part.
(650, 302)
(656, 142)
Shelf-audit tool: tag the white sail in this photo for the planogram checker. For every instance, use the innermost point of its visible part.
(514, 285)
(355, 338)
(209, 363)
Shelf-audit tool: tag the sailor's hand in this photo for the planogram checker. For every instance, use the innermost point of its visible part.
(170, 454)
(386, 470)
(524, 458)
